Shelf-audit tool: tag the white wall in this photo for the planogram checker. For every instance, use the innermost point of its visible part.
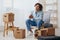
(21, 9)
(59, 13)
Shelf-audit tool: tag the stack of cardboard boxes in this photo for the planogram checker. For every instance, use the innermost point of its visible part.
(8, 19)
(45, 32)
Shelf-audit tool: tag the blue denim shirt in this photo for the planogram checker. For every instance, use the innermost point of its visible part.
(37, 16)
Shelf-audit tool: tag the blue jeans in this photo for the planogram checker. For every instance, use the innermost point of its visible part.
(30, 23)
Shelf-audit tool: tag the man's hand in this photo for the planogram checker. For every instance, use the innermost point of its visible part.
(30, 16)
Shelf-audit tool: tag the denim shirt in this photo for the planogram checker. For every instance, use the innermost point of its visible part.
(37, 16)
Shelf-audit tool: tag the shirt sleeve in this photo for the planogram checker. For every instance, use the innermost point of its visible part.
(31, 13)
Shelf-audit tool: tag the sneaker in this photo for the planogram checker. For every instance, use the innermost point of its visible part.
(29, 33)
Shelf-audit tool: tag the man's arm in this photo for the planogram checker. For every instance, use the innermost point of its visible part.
(31, 15)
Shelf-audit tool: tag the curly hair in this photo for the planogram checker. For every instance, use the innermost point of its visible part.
(40, 6)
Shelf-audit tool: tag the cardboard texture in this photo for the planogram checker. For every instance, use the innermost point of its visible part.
(40, 33)
(8, 17)
(45, 32)
(51, 31)
(19, 34)
(12, 28)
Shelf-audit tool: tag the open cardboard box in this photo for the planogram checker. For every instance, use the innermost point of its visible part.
(45, 32)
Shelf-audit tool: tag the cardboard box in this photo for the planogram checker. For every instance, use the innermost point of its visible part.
(44, 29)
(19, 34)
(12, 28)
(40, 33)
(8, 17)
(45, 32)
(51, 31)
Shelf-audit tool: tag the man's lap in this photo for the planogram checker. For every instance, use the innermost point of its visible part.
(33, 23)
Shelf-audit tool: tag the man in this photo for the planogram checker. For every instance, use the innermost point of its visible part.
(36, 17)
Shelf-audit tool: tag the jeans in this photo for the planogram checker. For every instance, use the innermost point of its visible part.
(30, 23)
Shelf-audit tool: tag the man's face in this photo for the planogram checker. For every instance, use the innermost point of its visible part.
(37, 8)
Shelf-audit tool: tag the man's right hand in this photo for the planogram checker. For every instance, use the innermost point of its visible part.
(30, 16)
